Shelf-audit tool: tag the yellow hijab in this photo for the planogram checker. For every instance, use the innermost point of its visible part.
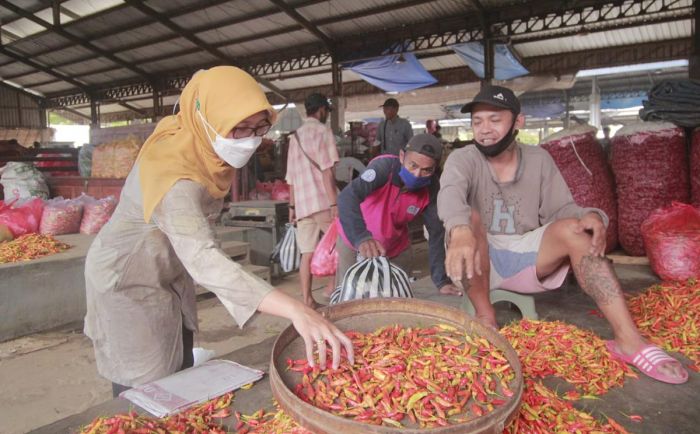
(180, 148)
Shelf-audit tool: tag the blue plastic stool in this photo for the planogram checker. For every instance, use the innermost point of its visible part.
(524, 303)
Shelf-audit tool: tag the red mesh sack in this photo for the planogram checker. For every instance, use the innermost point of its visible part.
(324, 262)
(582, 162)
(651, 171)
(695, 169)
(672, 241)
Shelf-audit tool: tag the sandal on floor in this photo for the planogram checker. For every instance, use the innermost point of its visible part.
(647, 360)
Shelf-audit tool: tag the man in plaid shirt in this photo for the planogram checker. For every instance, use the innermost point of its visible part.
(311, 159)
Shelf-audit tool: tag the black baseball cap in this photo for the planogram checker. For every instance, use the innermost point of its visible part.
(496, 96)
(315, 101)
(426, 144)
(390, 102)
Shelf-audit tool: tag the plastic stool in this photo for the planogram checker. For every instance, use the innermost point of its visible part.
(524, 303)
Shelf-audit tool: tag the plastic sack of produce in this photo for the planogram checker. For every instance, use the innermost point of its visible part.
(61, 216)
(325, 259)
(21, 217)
(695, 169)
(22, 181)
(650, 165)
(373, 278)
(115, 159)
(96, 212)
(672, 241)
(286, 252)
(280, 190)
(583, 164)
(85, 160)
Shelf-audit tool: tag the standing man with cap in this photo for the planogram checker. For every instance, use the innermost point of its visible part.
(376, 207)
(393, 132)
(512, 223)
(313, 201)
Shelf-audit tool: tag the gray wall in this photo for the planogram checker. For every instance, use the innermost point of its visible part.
(18, 109)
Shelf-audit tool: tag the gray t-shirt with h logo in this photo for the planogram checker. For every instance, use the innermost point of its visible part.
(538, 195)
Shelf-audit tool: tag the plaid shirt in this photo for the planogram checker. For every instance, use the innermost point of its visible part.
(306, 180)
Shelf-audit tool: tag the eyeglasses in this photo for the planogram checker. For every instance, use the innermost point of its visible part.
(242, 132)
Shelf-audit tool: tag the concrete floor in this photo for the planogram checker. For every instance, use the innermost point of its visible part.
(48, 376)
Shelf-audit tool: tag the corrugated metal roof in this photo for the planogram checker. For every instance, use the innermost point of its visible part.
(275, 35)
(610, 38)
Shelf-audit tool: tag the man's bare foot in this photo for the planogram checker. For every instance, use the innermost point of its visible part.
(671, 368)
(450, 289)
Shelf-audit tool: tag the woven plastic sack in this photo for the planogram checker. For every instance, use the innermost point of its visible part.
(583, 164)
(96, 212)
(651, 171)
(325, 259)
(286, 252)
(21, 217)
(373, 278)
(115, 159)
(85, 160)
(61, 216)
(672, 241)
(695, 169)
(23, 181)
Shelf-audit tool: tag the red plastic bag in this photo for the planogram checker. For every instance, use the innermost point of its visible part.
(672, 240)
(325, 259)
(280, 190)
(650, 164)
(582, 162)
(61, 216)
(22, 219)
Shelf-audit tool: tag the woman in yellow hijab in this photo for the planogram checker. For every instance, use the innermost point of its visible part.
(142, 266)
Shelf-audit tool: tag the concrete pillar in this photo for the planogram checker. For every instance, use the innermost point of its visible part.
(594, 118)
(694, 61)
(94, 113)
(338, 113)
(489, 66)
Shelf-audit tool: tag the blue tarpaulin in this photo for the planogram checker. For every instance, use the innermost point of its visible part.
(544, 110)
(621, 102)
(506, 66)
(390, 76)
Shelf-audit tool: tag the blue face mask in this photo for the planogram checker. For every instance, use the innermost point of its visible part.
(413, 182)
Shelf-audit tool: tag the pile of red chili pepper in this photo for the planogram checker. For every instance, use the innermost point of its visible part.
(543, 411)
(669, 315)
(262, 422)
(28, 247)
(555, 348)
(197, 419)
(434, 376)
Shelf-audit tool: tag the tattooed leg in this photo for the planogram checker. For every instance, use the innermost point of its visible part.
(597, 279)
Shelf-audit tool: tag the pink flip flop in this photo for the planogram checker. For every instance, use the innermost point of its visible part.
(647, 360)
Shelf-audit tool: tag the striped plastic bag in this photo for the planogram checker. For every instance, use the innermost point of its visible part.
(373, 278)
(286, 252)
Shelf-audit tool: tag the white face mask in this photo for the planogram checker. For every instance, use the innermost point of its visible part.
(235, 152)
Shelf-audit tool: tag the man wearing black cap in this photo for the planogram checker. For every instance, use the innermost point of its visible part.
(512, 223)
(376, 207)
(393, 132)
(311, 159)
